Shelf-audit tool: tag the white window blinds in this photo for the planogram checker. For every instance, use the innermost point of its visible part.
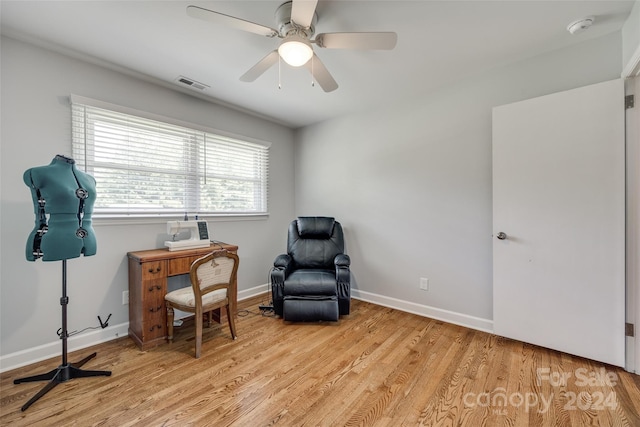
(149, 167)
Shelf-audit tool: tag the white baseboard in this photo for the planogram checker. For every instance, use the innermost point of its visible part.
(252, 292)
(47, 351)
(53, 349)
(472, 322)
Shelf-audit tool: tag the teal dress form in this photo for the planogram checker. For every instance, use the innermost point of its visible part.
(63, 199)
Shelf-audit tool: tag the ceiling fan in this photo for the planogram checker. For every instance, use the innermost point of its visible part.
(296, 21)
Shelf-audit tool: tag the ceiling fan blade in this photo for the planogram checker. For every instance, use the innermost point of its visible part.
(230, 21)
(302, 12)
(263, 65)
(382, 41)
(321, 74)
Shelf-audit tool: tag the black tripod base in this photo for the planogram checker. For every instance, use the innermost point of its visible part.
(62, 374)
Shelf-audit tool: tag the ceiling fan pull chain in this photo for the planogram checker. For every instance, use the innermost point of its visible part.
(313, 82)
(279, 68)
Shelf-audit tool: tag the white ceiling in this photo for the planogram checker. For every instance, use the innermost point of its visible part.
(438, 43)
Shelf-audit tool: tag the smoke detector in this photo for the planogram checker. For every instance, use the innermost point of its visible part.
(580, 25)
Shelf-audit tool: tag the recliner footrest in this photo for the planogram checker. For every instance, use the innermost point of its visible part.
(310, 308)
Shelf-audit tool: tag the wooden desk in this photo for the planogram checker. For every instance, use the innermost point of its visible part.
(148, 273)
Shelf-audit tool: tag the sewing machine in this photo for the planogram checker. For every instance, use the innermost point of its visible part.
(198, 235)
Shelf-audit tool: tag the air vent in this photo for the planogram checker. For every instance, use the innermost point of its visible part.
(191, 83)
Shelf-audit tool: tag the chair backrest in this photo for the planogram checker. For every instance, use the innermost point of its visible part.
(314, 242)
(214, 271)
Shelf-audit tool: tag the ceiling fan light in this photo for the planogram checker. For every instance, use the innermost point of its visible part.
(295, 50)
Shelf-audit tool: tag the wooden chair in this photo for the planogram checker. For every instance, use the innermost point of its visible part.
(213, 281)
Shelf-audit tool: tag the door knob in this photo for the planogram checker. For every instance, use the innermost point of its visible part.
(501, 235)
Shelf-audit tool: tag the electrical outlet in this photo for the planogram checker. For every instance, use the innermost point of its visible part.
(125, 297)
(424, 283)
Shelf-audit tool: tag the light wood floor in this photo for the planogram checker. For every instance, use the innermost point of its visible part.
(376, 367)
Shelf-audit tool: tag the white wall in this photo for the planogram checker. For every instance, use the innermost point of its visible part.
(411, 183)
(36, 84)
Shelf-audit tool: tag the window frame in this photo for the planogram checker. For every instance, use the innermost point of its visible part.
(146, 216)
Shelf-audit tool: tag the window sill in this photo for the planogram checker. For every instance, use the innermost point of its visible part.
(107, 220)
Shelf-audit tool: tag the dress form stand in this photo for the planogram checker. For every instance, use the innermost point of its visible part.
(66, 370)
(63, 199)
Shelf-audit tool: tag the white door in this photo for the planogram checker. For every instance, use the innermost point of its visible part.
(558, 196)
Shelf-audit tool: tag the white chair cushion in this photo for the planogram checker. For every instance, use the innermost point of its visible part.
(217, 271)
(184, 296)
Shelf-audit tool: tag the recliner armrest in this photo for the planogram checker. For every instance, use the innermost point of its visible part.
(343, 279)
(281, 268)
(343, 274)
(342, 260)
(282, 260)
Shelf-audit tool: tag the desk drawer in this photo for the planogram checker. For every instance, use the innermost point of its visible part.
(154, 269)
(180, 265)
(177, 266)
(154, 316)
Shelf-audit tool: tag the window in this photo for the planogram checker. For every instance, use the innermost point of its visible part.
(150, 166)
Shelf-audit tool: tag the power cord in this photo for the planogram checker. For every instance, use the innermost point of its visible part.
(267, 309)
(247, 312)
(102, 326)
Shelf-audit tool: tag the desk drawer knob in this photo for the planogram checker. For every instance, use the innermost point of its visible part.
(153, 310)
(155, 327)
(156, 287)
(155, 270)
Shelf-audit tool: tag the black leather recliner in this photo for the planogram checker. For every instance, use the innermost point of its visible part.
(312, 281)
